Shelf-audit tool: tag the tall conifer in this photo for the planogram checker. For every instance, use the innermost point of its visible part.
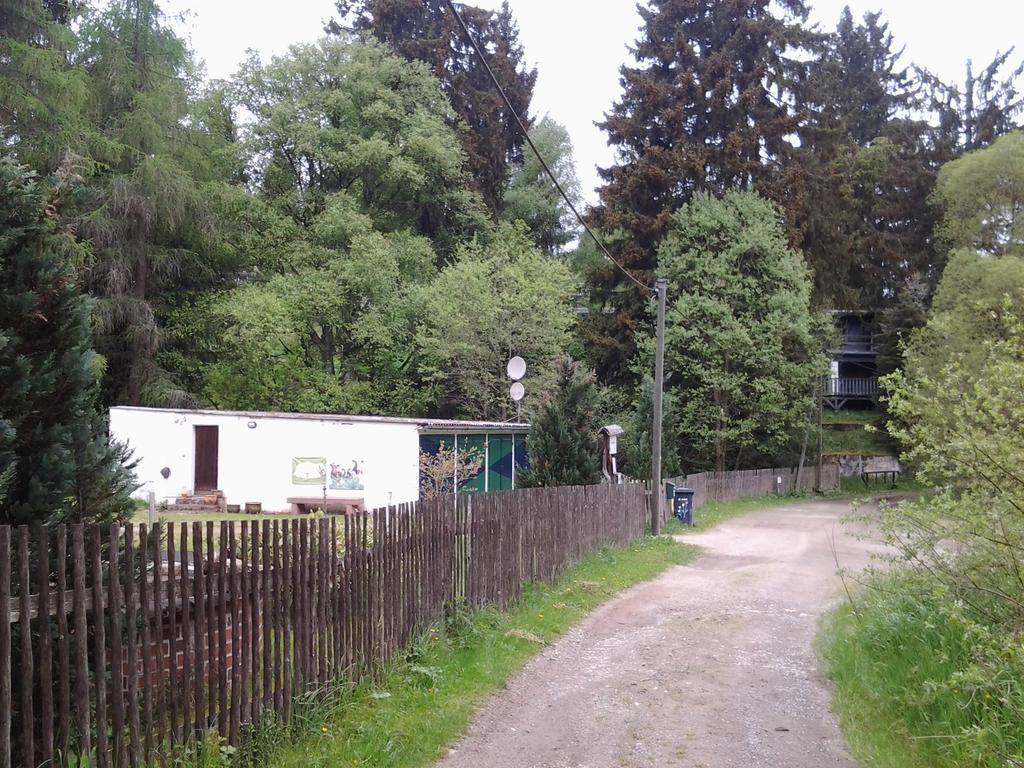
(55, 460)
(705, 108)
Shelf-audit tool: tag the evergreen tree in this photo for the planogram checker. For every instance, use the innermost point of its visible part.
(56, 463)
(868, 168)
(148, 193)
(426, 31)
(704, 110)
(564, 445)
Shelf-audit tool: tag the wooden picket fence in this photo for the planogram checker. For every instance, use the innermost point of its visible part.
(751, 483)
(124, 642)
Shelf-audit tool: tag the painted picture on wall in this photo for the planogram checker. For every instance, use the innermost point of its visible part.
(309, 470)
(347, 476)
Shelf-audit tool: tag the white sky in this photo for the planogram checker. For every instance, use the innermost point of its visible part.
(578, 45)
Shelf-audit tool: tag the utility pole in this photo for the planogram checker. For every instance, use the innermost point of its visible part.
(661, 288)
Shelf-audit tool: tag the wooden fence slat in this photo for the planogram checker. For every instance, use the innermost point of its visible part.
(199, 671)
(132, 650)
(63, 745)
(237, 659)
(187, 596)
(46, 709)
(223, 716)
(5, 649)
(168, 691)
(99, 659)
(153, 615)
(211, 625)
(27, 677)
(116, 646)
(148, 617)
(243, 626)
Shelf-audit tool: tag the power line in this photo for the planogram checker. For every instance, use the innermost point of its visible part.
(526, 135)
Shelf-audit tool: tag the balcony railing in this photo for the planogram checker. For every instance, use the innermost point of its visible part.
(850, 386)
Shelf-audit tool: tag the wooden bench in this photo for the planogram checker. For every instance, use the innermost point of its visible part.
(332, 504)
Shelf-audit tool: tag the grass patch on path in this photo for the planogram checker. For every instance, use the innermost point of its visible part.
(422, 705)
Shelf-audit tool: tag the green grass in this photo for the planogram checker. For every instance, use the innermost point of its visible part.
(421, 705)
(920, 683)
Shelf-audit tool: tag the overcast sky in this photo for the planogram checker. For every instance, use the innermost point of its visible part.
(578, 45)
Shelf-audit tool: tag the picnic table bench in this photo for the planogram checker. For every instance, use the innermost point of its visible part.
(342, 504)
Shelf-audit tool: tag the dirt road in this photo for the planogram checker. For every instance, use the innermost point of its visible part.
(709, 666)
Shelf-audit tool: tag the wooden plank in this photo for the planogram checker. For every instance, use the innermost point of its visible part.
(224, 562)
(132, 648)
(271, 649)
(284, 585)
(153, 616)
(5, 649)
(199, 671)
(243, 592)
(147, 613)
(99, 658)
(211, 626)
(237, 659)
(63, 646)
(27, 677)
(187, 633)
(116, 646)
(170, 686)
(46, 708)
(268, 607)
(81, 641)
(257, 610)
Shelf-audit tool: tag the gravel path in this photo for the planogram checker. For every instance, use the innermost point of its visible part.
(710, 665)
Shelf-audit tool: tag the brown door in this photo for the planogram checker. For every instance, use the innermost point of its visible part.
(207, 439)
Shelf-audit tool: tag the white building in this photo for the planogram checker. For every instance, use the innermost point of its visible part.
(284, 460)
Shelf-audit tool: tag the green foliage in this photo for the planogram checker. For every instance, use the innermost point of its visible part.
(494, 301)
(563, 445)
(343, 116)
(704, 109)
(922, 682)
(967, 312)
(981, 196)
(425, 31)
(739, 335)
(637, 441)
(960, 427)
(531, 196)
(56, 463)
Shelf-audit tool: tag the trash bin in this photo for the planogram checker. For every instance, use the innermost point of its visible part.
(670, 490)
(682, 505)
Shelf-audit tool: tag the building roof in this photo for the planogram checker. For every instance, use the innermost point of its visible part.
(425, 425)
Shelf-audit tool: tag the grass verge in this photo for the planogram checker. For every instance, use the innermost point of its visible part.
(418, 707)
(919, 682)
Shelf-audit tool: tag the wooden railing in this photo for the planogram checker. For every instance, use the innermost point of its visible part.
(850, 386)
(122, 642)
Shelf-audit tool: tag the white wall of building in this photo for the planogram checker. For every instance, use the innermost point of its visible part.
(256, 463)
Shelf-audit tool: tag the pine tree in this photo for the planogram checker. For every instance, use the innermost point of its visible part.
(563, 444)
(56, 463)
(705, 109)
(425, 30)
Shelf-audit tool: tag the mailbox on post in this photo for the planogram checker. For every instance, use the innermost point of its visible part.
(682, 505)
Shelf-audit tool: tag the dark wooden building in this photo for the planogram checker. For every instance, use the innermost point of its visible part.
(853, 379)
